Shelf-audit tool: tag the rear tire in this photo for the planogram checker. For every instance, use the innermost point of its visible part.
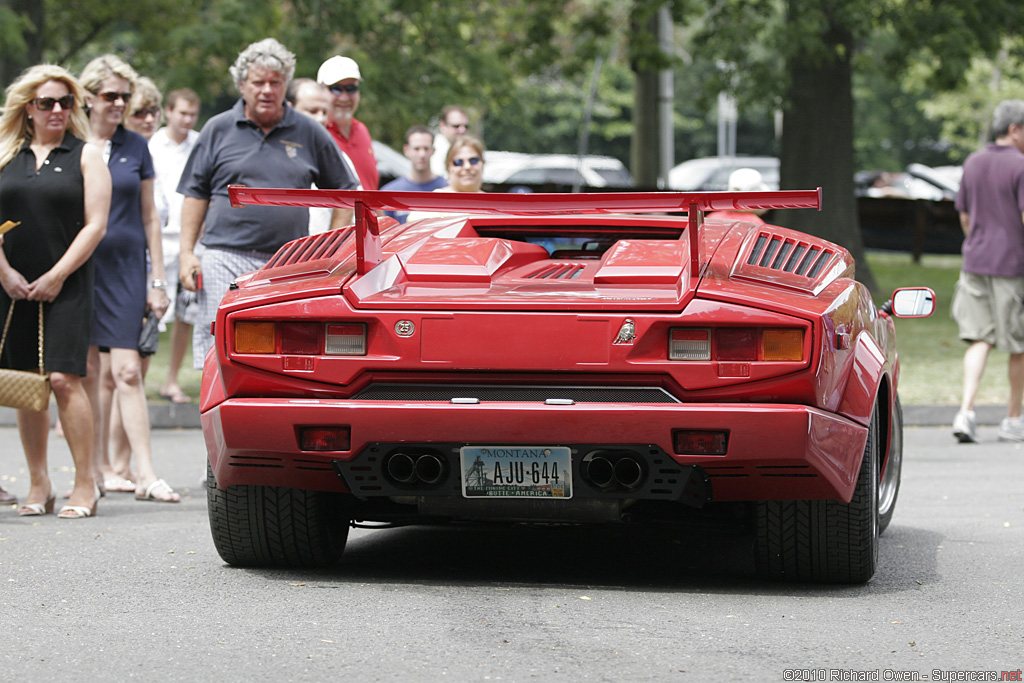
(889, 484)
(824, 541)
(271, 526)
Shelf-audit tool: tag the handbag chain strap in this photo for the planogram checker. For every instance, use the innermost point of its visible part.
(7, 324)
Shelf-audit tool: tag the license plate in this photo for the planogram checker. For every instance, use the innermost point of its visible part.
(516, 472)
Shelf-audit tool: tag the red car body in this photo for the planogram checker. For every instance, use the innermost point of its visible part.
(650, 368)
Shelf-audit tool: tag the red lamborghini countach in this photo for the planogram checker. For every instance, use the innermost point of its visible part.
(574, 359)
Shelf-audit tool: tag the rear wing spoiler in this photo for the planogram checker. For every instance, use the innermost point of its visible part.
(366, 202)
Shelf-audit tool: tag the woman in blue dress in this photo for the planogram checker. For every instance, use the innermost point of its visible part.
(58, 188)
(122, 295)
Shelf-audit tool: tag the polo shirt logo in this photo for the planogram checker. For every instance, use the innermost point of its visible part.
(291, 148)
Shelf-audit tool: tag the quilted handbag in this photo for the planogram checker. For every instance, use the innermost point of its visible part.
(23, 389)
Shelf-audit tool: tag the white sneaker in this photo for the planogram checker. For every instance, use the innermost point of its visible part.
(965, 429)
(1011, 429)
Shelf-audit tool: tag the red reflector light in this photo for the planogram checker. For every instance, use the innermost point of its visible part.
(735, 343)
(700, 442)
(300, 339)
(325, 438)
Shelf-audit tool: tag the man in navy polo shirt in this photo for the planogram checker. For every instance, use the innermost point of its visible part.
(260, 142)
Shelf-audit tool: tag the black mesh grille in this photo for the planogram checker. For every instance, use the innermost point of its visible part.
(514, 394)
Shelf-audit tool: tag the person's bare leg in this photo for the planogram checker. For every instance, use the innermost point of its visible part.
(1016, 375)
(120, 448)
(127, 371)
(76, 415)
(181, 336)
(91, 384)
(108, 387)
(974, 365)
(34, 430)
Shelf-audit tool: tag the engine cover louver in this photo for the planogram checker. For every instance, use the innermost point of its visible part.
(557, 271)
(326, 245)
(789, 255)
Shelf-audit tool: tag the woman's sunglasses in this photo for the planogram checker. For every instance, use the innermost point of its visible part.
(149, 111)
(46, 103)
(473, 161)
(115, 96)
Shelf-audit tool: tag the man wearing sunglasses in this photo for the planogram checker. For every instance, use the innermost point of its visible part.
(454, 123)
(342, 78)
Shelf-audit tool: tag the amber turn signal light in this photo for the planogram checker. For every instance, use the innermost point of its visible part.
(255, 337)
(783, 344)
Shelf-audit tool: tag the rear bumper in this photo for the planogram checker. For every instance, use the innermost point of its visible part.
(775, 451)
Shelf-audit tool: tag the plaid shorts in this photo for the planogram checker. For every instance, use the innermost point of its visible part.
(220, 268)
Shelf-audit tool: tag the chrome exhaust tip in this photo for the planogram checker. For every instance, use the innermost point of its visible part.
(401, 468)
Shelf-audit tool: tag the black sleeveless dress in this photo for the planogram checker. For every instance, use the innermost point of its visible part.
(50, 203)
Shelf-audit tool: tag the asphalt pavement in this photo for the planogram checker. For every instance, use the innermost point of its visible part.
(139, 593)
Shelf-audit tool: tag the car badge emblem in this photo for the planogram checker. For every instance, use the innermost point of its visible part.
(405, 328)
(627, 333)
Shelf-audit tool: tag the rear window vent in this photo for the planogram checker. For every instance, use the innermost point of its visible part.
(326, 245)
(789, 255)
(558, 271)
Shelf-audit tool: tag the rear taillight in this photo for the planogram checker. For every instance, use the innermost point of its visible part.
(255, 337)
(736, 344)
(782, 344)
(689, 344)
(346, 339)
(300, 338)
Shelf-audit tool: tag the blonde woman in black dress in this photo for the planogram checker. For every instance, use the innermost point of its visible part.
(59, 188)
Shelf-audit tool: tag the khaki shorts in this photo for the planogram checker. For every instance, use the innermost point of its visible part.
(990, 309)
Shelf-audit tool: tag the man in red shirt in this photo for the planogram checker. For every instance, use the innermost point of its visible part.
(341, 76)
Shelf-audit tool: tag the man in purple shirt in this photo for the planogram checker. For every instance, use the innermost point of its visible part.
(988, 304)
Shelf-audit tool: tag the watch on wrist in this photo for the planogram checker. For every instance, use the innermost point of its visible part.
(159, 284)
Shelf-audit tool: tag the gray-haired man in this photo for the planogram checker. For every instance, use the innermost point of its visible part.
(260, 142)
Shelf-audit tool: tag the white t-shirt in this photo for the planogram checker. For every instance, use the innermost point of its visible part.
(169, 159)
(437, 161)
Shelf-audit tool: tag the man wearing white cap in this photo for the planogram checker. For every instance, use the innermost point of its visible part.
(744, 180)
(342, 78)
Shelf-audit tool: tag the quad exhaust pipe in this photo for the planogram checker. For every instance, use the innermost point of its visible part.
(425, 468)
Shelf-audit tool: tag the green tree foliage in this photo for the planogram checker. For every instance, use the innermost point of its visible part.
(812, 46)
(965, 112)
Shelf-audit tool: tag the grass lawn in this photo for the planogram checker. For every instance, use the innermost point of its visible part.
(188, 378)
(930, 351)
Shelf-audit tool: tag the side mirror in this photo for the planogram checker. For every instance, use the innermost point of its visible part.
(913, 302)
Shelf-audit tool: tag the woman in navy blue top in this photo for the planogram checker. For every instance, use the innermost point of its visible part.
(121, 295)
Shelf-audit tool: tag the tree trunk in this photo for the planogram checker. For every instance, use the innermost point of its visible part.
(817, 146)
(15, 60)
(645, 150)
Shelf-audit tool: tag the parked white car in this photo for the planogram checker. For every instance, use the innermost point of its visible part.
(712, 173)
(560, 169)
